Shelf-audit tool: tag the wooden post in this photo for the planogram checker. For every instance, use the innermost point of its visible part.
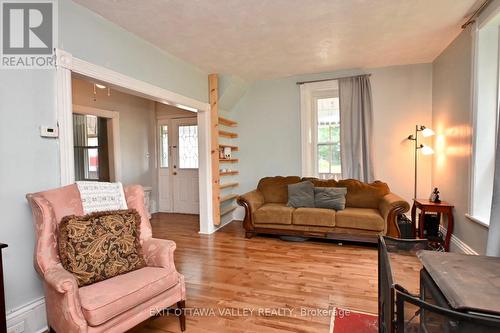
(213, 87)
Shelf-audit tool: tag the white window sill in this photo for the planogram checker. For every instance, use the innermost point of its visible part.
(481, 222)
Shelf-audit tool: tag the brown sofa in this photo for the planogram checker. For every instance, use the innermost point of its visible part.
(371, 210)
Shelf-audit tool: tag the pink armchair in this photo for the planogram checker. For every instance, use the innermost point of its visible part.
(113, 305)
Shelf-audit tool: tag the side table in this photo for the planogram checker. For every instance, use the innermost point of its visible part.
(424, 205)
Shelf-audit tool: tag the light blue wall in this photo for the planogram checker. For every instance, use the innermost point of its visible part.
(28, 163)
(269, 118)
(269, 127)
(27, 100)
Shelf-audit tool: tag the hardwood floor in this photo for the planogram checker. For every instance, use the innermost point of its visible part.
(227, 272)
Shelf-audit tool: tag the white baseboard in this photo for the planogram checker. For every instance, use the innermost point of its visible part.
(457, 245)
(239, 213)
(32, 314)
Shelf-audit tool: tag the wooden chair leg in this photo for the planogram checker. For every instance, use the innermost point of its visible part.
(182, 317)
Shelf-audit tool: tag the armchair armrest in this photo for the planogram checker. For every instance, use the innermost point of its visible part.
(159, 253)
(63, 301)
(252, 201)
(60, 280)
(390, 207)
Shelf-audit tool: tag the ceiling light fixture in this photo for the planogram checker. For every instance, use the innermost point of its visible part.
(100, 86)
(185, 107)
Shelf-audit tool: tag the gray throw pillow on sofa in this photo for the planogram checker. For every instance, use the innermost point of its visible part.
(301, 195)
(330, 197)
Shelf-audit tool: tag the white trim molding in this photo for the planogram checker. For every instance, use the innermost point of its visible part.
(31, 315)
(67, 64)
(457, 245)
(64, 117)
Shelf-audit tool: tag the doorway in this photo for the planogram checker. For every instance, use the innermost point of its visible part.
(66, 65)
(178, 174)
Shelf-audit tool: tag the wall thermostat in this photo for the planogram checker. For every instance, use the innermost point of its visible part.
(49, 132)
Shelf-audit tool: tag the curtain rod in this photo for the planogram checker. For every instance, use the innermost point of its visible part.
(336, 78)
(478, 11)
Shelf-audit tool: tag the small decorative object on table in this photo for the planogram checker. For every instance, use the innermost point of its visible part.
(435, 196)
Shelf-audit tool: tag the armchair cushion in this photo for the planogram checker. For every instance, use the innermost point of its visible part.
(107, 299)
(100, 245)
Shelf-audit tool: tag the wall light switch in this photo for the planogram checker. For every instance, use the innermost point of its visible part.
(49, 132)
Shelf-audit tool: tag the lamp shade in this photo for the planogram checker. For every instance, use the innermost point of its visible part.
(426, 132)
(426, 150)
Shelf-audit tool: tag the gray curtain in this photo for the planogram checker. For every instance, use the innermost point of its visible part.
(493, 245)
(356, 121)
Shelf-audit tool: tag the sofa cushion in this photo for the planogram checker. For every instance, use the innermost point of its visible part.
(363, 195)
(104, 300)
(100, 245)
(330, 197)
(275, 189)
(301, 195)
(314, 217)
(360, 218)
(273, 213)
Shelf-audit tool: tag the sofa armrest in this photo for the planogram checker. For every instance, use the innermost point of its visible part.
(62, 301)
(252, 201)
(390, 207)
(159, 253)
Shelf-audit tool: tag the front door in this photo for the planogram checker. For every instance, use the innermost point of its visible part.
(178, 175)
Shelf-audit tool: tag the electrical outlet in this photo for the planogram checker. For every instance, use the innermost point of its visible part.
(17, 328)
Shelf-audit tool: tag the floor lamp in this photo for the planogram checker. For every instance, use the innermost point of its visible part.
(426, 150)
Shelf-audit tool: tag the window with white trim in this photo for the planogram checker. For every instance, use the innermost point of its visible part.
(486, 105)
(320, 129)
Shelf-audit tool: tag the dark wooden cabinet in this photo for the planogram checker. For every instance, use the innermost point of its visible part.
(3, 320)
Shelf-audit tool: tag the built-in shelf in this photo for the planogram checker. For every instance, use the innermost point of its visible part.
(227, 122)
(229, 173)
(227, 134)
(227, 185)
(233, 148)
(227, 210)
(228, 160)
(228, 197)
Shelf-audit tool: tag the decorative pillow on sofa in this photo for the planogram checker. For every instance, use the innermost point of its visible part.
(301, 195)
(100, 245)
(330, 197)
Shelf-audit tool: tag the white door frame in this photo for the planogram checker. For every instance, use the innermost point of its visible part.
(67, 64)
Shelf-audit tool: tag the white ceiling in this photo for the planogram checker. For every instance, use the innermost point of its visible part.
(258, 39)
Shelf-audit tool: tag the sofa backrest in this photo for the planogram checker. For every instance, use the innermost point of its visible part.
(275, 189)
(359, 194)
(364, 195)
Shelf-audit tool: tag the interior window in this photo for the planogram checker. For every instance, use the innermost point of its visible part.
(188, 146)
(328, 137)
(90, 148)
